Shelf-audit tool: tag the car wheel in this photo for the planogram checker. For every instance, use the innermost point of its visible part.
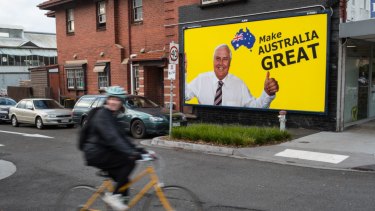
(39, 123)
(84, 121)
(14, 121)
(138, 129)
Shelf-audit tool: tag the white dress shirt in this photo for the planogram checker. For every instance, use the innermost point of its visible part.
(235, 92)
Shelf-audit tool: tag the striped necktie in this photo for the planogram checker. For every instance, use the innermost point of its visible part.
(219, 93)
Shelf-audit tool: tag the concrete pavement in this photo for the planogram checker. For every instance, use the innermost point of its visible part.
(353, 149)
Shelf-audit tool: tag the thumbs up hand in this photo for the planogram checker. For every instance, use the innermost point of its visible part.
(270, 85)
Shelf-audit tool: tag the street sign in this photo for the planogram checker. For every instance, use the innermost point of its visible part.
(171, 72)
(173, 53)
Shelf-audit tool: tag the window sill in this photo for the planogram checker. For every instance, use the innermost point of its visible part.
(136, 23)
(76, 89)
(70, 33)
(101, 28)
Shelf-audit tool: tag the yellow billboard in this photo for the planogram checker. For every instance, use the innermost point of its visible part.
(269, 64)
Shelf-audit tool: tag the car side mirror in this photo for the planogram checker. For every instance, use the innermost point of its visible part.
(30, 108)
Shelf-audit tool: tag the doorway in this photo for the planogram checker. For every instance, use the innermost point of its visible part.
(154, 84)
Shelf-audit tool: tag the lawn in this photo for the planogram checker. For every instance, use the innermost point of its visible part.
(232, 135)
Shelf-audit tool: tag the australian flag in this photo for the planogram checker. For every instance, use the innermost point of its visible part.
(243, 38)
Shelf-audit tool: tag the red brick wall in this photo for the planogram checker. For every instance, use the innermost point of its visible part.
(88, 42)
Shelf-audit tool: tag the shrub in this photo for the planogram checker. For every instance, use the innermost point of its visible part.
(233, 135)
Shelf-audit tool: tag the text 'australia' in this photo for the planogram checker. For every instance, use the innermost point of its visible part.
(273, 42)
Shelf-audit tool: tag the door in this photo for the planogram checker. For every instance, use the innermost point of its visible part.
(154, 84)
(29, 112)
(357, 81)
(372, 84)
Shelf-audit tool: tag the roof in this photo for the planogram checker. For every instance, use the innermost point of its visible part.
(7, 26)
(51, 4)
(363, 30)
(31, 39)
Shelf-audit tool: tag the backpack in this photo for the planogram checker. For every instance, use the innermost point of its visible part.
(84, 132)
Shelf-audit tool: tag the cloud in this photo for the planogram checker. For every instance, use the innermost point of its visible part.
(25, 13)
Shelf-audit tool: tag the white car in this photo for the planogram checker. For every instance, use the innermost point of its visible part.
(41, 112)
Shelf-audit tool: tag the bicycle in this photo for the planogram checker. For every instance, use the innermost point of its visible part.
(171, 198)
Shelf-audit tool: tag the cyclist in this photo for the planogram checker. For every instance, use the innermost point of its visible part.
(106, 146)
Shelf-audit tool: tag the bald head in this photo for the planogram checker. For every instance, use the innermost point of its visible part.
(222, 59)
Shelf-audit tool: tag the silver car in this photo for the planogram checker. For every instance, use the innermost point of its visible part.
(5, 104)
(41, 112)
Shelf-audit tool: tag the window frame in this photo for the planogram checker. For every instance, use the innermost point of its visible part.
(100, 16)
(70, 21)
(135, 11)
(105, 74)
(136, 78)
(75, 78)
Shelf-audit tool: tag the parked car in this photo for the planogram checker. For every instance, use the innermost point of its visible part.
(5, 104)
(141, 116)
(41, 112)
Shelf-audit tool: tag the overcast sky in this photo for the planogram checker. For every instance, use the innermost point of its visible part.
(25, 13)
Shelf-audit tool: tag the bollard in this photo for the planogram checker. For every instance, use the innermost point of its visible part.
(282, 120)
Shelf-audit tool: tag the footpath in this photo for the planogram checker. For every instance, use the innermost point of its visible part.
(353, 149)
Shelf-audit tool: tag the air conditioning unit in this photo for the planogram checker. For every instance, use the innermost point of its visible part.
(102, 19)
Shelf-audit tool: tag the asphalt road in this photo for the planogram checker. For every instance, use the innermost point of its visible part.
(46, 166)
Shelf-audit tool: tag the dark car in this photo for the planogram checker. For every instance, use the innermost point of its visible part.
(141, 116)
(5, 104)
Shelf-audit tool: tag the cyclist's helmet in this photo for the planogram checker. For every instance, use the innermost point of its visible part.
(115, 91)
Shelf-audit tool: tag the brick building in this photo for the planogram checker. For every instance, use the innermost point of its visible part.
(125, 42)
(115, 42)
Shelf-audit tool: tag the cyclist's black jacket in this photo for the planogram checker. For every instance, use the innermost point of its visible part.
(106, 136)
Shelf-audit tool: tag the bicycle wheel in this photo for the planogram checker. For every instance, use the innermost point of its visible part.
(180, 198)
(76, 197)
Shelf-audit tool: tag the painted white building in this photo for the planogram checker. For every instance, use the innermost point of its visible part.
(20, 50)
(358, 10)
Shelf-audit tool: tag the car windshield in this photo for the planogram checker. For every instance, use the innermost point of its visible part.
(11, 102)
(46, 104)
(140, 102)
(5, 101)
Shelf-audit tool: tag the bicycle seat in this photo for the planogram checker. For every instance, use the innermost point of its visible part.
(102, 173)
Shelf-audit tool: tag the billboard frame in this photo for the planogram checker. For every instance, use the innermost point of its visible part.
(253, 19)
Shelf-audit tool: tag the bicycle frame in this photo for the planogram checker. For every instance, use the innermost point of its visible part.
(154, 183)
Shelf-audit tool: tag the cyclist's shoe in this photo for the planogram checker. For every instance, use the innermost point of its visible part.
(115, 201)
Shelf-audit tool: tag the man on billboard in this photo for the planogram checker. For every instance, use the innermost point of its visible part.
(221, 88)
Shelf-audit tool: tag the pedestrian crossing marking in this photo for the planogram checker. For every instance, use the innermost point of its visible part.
(313, 156)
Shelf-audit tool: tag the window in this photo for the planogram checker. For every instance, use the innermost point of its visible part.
(85, 102)
(22, 104)
(137, 10)
(98, 102)
(75, 78)
(136, 79)
(103, 77)
(101, 16)
(46, 104)
(70, 20)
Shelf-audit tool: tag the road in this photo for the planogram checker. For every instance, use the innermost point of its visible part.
(46, 166)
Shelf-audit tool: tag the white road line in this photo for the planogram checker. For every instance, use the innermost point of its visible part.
(313, 156)
(26, 134)
(1, 145)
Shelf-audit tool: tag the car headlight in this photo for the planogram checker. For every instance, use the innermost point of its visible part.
(156, 119)
(50, 116)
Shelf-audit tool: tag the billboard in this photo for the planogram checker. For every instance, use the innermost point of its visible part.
(266, 64)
